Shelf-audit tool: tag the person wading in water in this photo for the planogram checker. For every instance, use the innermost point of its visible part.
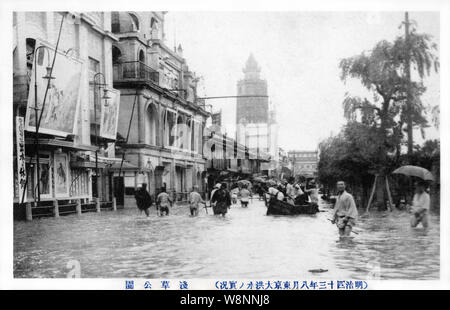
(345, 212)
(245, 196)
(194, 200)
(221, 200)
(420, 206)
(163, 202)
(143, 199)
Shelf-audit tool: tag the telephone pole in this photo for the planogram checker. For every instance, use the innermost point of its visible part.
(408, 86)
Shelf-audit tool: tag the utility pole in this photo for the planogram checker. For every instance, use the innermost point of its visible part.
(408, 86)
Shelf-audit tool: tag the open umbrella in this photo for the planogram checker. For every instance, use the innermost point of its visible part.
(259, 179)
(415, 171)
(271, 183)
(245, 183)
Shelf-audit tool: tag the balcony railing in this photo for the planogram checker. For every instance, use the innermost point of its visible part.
(135, 71)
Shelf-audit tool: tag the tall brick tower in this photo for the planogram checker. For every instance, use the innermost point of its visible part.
(254, 120)
(252, 110)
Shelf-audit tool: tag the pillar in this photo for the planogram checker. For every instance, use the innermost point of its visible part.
(56, 208)
(79, 206)
(97, 204)
(141, 119)
(28, 211)
(114, 204)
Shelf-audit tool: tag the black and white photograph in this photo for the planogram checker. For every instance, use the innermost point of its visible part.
(162, 146)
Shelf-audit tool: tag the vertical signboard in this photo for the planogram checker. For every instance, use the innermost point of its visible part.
(21, 168)
(109, 115)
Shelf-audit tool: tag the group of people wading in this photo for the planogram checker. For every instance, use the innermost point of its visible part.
(221, 200)
(344, 213)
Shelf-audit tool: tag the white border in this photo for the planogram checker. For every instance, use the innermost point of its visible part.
(7, 6)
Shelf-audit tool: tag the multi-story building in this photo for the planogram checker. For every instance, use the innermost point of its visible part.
(255, 121)
(56, 166)
(161, 121)
(304, 163)
(230, 161)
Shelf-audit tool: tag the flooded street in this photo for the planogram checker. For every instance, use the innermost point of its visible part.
(245, 244)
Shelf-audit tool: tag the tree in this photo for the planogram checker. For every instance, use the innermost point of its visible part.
(381, 72)
(349, 156)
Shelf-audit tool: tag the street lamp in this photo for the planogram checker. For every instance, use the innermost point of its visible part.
(98, 86)
(48, 77)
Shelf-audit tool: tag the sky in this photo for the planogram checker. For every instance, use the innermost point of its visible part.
(298, 53)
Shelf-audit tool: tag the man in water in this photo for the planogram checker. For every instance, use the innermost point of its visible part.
(215, 188)
(421, 205)
(345, 212)
(221, 200)
(245, 196)
(143, 199)
(163, 201)
(194, 200)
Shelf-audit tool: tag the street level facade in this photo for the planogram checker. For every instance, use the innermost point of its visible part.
(77, 86)
(161, 122)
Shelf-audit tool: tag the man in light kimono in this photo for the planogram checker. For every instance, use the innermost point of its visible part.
(420, 206)
(345, 212)
(194, 200)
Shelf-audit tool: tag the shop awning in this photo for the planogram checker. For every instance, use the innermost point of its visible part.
(126, 166)
(61, 143)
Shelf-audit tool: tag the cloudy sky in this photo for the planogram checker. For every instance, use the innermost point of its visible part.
(299, 54)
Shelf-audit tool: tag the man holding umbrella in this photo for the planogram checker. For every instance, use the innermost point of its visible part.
(420, 205)
(421, 199)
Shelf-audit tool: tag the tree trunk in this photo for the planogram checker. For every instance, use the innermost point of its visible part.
(380, 193)
(380, 197)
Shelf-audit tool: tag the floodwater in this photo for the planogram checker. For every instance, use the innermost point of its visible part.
(246, 244)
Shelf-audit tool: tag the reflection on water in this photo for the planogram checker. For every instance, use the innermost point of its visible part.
(246, 244)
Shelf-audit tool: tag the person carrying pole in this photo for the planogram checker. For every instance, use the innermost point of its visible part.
(345, 212)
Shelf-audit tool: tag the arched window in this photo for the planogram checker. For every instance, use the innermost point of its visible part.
(135, 22)
(116, 55)
(141, 56)
(124, 22)
(180, 132)
(169, 125)
(150, 125)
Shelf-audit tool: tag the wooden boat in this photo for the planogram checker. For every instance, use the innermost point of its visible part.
(278, 207)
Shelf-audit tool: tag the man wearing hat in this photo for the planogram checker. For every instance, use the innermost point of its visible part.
(215, 188)
(221, 200)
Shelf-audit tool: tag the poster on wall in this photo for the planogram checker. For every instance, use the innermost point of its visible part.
(59, 114)
(61, 175)
(21, 170)
(110, 114)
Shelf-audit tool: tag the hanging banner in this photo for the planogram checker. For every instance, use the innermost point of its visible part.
(110, 114)
(63, 96)
(21, 168)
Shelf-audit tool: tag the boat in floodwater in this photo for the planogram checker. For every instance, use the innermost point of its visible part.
(278, 207)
